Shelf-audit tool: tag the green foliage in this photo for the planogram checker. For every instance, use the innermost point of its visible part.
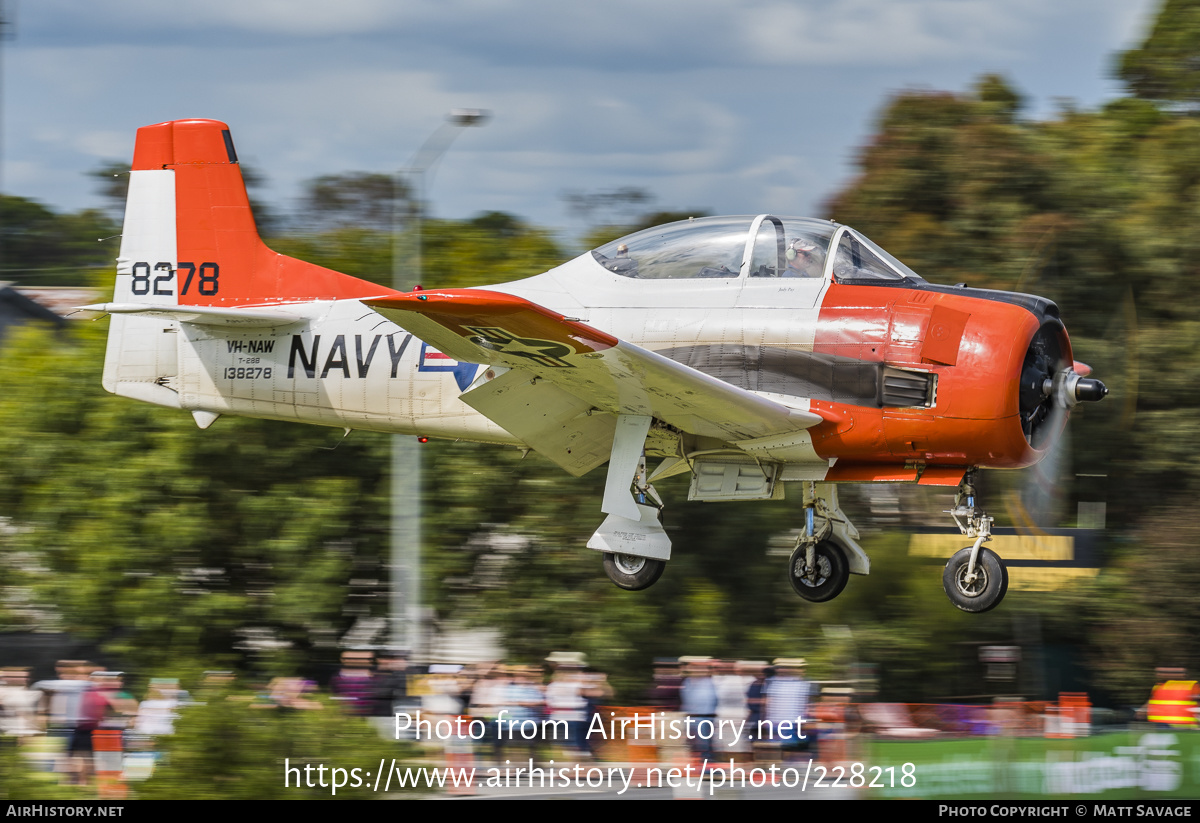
(41, 248)
(169, 542)
(1165, 67)
(954, 186)
(361, 200)
(174, 545)
(1096, 210)
(20, 781)
(362, 253)
(606, 233)
(112, 180)
(232, 747)
(491, 248)
(598, 205)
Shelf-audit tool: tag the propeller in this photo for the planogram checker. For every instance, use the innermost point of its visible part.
(1043, 361)
(1050, 388)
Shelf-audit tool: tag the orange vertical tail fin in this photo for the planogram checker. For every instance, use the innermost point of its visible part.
(220, 259)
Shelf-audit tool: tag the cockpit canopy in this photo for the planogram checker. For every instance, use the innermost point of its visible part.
(746, 246)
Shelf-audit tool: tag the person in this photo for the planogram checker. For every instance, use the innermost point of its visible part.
(664, 691)
(64, 695)
(157, 713)
(803, 259)
(698, 700)
(756, 700)
(525, 700)
(64, 706)
(488, 700)
(565, 700)
(1174, 699)
(105, 704)
(390, 687)
(354, 682)
(18, 704)
(732, 682)
(288, 694)
(788, 696)
(596, 691)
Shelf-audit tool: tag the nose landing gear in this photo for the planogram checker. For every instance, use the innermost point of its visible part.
(975, 579)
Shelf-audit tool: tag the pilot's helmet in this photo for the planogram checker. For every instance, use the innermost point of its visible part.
(799, 246)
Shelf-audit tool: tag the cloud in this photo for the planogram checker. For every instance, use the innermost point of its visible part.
(708, 103)
(884, 32)
(619, 35)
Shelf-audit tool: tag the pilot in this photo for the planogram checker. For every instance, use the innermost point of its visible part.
(803, 259)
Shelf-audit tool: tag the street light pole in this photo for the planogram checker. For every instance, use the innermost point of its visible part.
(405, 606)
(7, 32)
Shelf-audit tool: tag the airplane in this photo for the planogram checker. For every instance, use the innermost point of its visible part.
(749, 352)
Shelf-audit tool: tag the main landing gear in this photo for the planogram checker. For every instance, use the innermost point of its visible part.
(826, 551)
(636, 548)
(631, 572)
(975, 578)
(818, 572)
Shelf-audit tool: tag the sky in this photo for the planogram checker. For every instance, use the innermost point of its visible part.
(723, 106)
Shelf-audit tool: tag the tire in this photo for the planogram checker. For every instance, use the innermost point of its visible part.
(632, 573)
(982, 594)
(832, 572)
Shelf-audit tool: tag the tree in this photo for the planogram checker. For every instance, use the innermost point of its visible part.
(490, 248)
(231, 746)
(42, 248)
(361, 200)
(1165, 68)
(1095, 209)
(600, 235)
(608, 206)
(112, 180)
(176, 547)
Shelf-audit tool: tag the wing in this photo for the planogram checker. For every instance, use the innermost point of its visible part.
(563, 372)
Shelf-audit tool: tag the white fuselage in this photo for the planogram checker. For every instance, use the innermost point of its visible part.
(344, 365)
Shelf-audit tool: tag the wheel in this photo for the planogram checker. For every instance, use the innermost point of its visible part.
(826, 580)
(985, 591)
(632, 573)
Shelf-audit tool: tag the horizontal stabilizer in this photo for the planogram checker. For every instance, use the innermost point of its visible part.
(201, 315)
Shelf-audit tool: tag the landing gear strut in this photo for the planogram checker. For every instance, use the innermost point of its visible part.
(826, 552)
(635, 551)
(975, 578)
